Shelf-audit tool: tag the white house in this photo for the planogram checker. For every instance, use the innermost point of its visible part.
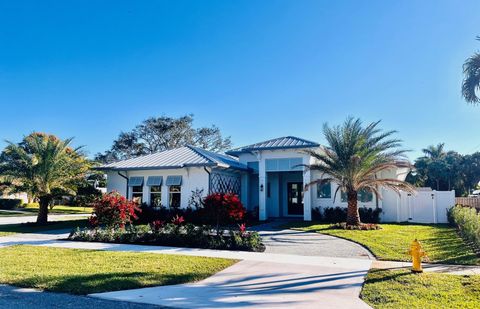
(267, 175)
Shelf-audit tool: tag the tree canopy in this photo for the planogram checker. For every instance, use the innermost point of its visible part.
(163, 133)
(44, 166)
(354, 159)
(446, 170)
(471, 80)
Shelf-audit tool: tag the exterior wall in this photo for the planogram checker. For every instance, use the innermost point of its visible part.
(274, 200)
(192, 178)
(335, 201)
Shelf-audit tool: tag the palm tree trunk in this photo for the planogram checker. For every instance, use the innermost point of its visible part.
(42, 217)
(353, 217)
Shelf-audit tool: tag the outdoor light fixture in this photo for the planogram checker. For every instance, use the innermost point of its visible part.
(261, 187)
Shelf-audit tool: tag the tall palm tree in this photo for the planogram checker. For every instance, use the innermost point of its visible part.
(44, 166)
(471, 80)
(355, 158)
(435, 152)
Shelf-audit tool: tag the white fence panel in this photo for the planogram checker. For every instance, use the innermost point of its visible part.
(422, 207)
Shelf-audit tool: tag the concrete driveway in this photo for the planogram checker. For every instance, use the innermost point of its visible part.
(254, 284)
(278, 240)
(298, 270)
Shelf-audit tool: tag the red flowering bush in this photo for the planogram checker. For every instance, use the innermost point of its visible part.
(114, 211)
(178, 220)
(223, 208)
(157, 225)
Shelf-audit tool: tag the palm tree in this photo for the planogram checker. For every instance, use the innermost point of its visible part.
(471, 80)
(355, 158)
(44, 166)
(434, 152)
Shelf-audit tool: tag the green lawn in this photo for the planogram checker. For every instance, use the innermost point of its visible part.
(34, 228)
(402, 289)
(59, 209)
(441, 242)
(88, 271)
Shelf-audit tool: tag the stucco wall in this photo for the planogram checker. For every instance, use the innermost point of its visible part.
(192, 178)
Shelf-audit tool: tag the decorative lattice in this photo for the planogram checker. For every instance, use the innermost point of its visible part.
(223, 183)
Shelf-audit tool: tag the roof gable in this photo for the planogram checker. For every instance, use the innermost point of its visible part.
(287, 142)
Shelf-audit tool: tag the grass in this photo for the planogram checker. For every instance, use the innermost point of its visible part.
(441, 242)
(59, 209)
(87, 271)
(34, 228)
(402, 289)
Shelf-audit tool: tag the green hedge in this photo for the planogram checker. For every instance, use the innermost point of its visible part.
(467, 221)
(6, 203)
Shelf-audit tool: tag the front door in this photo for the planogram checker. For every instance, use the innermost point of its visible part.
(295, 198)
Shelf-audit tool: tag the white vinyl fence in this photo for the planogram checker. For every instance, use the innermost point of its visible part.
(420, 207)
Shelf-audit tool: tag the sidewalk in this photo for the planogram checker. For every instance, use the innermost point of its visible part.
(428, 267)
(33, 218)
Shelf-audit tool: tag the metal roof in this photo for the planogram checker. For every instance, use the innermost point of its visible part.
(177, 158)
(276, 143)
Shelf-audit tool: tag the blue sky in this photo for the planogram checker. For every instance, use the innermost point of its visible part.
(256, 69)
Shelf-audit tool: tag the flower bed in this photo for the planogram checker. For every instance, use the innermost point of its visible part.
(174, 234)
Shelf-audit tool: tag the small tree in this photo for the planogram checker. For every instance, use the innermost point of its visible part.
(44, 166)
(222, 208)
(354, 159)
(114, 211)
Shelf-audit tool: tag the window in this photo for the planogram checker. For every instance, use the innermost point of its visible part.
(324, 190)
(363, 196)
(137, 194)
(155, 184)
(156, 196)
(175, 196)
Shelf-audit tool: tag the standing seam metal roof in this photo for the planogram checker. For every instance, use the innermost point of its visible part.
(177, 158)
(276, 143)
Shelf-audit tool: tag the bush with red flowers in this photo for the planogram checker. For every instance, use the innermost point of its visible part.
(222, 208)
(114, 211)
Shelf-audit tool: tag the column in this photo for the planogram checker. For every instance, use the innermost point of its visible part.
(307, 194)
(262, 196)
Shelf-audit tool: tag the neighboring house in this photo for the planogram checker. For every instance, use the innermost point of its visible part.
(266, 175)
(19, 196)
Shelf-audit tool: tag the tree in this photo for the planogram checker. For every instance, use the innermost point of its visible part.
(471, 80)
(434, 152)
(163, 133)
(43, 165)
(355, 158)
(446, 170)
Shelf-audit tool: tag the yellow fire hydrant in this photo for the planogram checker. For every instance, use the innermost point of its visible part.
(417, 253)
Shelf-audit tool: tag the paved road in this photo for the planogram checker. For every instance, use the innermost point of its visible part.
(12, 297)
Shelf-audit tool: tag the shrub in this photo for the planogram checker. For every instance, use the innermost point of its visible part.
(171, 234)
(113, 211)
(467, 221)
(222, 208)
(339, 214)
(7, 203)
